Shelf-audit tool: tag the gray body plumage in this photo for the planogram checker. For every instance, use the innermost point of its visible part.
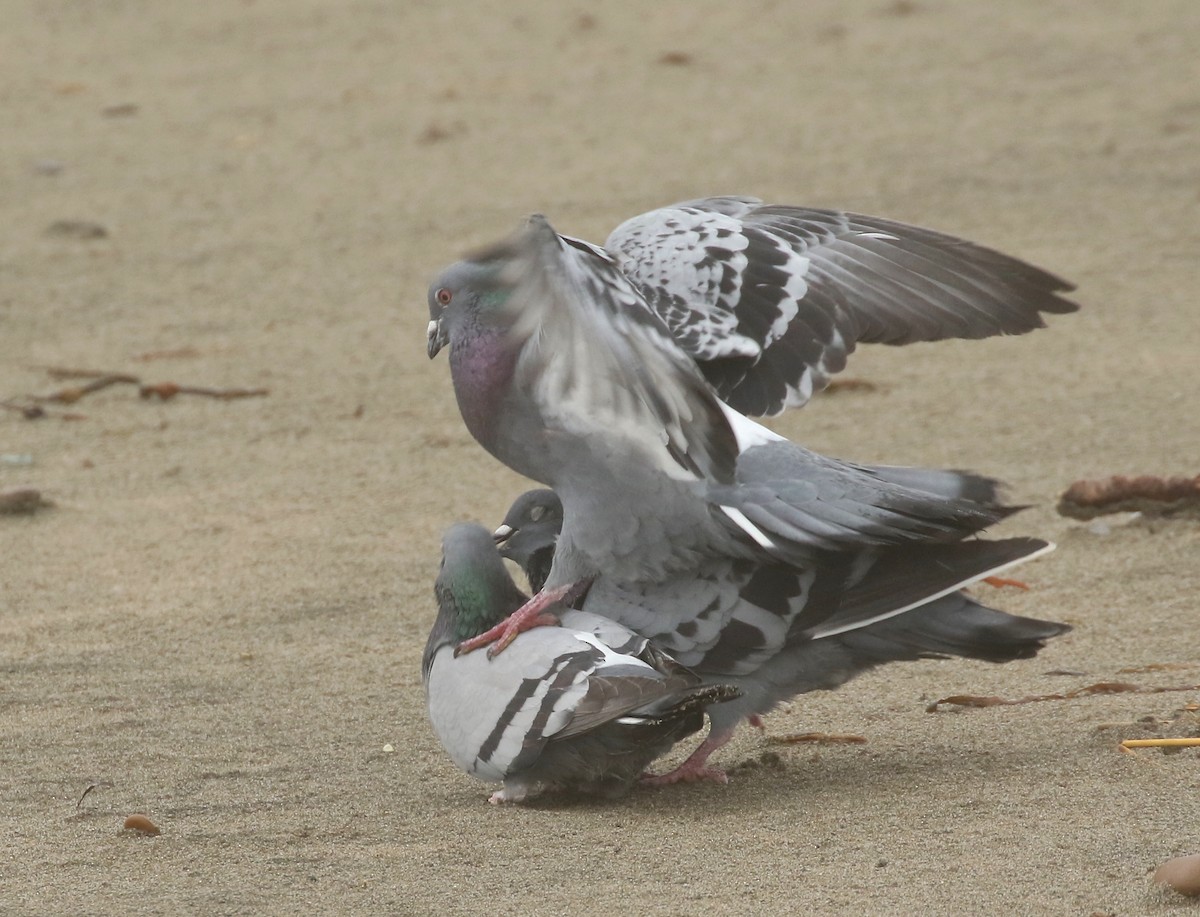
(776, 631)
(565, 374)
(584, 707)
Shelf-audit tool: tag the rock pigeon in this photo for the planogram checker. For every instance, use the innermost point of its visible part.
(770, 300)
(585, 706)
(686, 519)
(564, 374)
(528, 532)
(776, 632)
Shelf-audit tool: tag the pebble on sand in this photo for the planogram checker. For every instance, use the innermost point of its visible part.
(1181, 874)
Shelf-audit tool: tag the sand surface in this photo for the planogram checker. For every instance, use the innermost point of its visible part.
(220, 621)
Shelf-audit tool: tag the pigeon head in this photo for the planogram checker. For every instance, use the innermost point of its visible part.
(473, 589)
(528, 533)
(463, 290)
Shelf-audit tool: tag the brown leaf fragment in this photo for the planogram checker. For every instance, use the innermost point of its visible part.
(1102, 687)
(1154, 667)
(1120, 494)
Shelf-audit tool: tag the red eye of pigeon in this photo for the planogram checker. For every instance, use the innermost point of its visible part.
(443, 296)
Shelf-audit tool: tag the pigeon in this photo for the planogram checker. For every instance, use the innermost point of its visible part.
(743, 643)
(528, 532)
(563, 373)
(583, 707)
(770, 300)
(682, 517)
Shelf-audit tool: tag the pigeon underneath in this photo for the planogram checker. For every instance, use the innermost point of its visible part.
(582, 707)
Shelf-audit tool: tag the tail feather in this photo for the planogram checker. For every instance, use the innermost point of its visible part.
(954, 625)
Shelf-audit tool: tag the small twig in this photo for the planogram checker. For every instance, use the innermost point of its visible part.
(165, 391)
(73, 393)
(91, 786)
(98, 380)
(66, 372)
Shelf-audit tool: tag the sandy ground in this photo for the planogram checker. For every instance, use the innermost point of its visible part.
(220, 621)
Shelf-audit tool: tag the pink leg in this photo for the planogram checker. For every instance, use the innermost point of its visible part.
(534, 613)
(695, 769)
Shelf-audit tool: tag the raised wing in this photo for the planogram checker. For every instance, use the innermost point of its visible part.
(770, 300)
(599, 362)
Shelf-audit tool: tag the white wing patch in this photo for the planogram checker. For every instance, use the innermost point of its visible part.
(748, 432)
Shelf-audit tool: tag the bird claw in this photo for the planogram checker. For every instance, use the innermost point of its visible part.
(514, 630)
(534, 613)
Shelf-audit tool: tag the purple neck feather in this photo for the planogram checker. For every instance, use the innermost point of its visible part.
(481, 364)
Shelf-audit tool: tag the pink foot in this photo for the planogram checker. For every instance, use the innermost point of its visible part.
(534, 613)
(695, 768)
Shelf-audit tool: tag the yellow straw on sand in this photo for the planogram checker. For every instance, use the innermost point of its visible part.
(1161, 743)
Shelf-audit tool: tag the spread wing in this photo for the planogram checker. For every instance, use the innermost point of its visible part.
(770, 300)
(597, 361)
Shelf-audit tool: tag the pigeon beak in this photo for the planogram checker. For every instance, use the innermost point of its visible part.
(435, 338)
(502, 534)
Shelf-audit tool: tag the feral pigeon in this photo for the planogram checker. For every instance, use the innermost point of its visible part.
(770, 300)
(528, 532)
(563, 373)
(563, 708)
(687, 520)
(776, 632)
